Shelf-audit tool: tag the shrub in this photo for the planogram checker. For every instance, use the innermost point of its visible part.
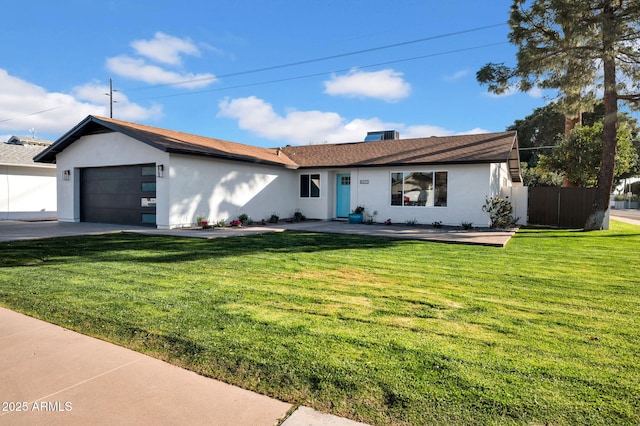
(274, 218)
(298, 216)
(244, 218)
(500, 212)
(467, 225)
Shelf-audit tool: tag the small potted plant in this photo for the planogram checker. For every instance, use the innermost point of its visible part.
(202, 220)
(357, 215)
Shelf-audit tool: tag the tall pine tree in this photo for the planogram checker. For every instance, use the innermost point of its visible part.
(580, 48)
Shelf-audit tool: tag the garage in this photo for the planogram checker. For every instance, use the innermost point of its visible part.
(124, 195)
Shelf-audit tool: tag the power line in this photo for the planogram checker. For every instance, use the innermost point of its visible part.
(31, 113)
(307, 61)
(323, 58)
(323, 73)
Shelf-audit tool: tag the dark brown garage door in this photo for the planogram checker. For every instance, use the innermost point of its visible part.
(124, 195)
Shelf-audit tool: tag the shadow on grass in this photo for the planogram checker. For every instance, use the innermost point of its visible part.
(128, 247)
(556, 233)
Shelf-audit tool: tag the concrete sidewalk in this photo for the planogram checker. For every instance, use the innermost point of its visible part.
(631, 216)
(53, 376)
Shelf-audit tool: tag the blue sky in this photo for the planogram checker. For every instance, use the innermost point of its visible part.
(266, 73)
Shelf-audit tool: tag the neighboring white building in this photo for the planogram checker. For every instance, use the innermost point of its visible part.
(27, 188)
(114, 171)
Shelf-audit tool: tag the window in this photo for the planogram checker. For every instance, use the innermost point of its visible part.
(148, 187)
(310, 186)
(419, 189)
(148, 218)
(148, 171)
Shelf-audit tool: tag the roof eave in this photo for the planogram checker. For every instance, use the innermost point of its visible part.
(232, 157)
(40, 166)
(49, 154)
(513, 161)
(404, 164)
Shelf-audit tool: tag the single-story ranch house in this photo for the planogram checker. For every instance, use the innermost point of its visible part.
(112, 171)
(27, 188)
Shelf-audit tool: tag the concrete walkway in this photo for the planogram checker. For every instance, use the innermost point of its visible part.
(17, 230)
(53, 376)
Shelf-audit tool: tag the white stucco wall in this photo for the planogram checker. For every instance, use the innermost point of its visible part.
(107, 149)
(320, 207)
(27, 192)
(500, 178)
(467, 187)
(222, 190)
(519, 198)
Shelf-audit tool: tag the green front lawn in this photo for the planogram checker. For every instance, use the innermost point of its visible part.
(544, 331)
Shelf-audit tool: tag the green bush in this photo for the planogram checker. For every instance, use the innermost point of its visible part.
(500, 212)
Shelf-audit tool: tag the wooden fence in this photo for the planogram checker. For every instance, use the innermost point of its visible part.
(561, 207)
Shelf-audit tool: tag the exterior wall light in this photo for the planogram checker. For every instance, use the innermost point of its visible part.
(160, 170)
(66, 175)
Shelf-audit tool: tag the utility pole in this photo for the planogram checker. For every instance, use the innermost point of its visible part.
(110, 95)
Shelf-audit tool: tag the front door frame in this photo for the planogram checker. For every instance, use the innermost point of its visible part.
(343, 195)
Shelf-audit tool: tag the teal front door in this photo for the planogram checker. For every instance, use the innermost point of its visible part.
(343, 194)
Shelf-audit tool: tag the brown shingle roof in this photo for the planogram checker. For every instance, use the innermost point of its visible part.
(169, 141)
(482, 148)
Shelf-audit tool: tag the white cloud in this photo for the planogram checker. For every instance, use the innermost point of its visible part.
(303, 127)
(138, 69)
(123, 108)
(425, 131)
(456, 75)
(168, 51)
(535, 92)
(24, 105)
(474, 131)
(257, 116)
(165, 48)
(387, 85)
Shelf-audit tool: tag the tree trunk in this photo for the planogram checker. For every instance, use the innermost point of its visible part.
(600, 206)
(569, 124)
